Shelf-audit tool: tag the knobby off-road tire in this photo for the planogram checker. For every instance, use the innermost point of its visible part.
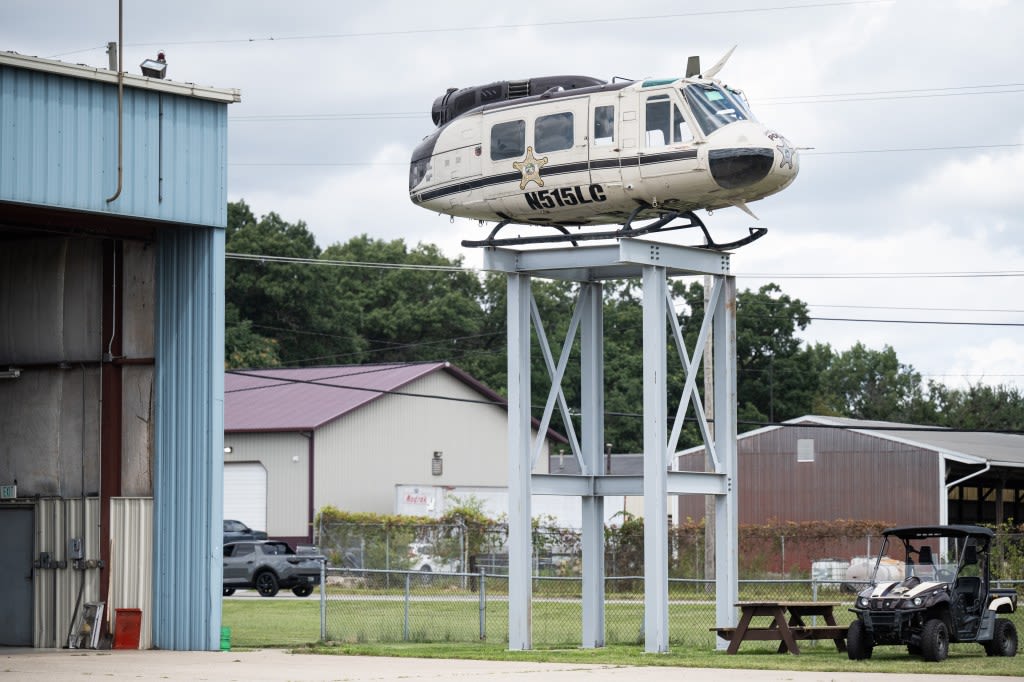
(1004, 639)
(935, 641)
(859, 645)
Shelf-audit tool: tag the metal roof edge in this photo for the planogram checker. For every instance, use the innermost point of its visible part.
(225, 95)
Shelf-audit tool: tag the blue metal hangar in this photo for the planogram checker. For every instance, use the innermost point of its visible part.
(113, 207)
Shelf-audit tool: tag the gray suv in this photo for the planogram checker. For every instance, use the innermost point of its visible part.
(267, 566)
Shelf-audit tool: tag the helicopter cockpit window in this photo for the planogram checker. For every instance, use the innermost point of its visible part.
(714, 107)
(508, 140)
(553, 132)
(604, 125)
(665, 123)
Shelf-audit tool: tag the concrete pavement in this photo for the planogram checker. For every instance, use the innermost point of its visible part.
(273, 665)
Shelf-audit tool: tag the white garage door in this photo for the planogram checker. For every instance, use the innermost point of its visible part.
(245, 493)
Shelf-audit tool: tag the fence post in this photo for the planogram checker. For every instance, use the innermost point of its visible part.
(483, 604)
(405, 622)
(323, 600)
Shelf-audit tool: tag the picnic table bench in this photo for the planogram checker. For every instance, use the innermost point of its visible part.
(785, 630)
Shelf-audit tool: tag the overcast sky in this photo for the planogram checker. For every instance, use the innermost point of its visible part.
(911, 113)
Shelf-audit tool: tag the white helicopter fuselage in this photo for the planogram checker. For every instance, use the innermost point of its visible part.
(601, 154)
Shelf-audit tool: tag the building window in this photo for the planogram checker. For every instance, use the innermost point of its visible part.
(805, 450)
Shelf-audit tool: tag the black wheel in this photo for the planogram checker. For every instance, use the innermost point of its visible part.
(228, 591)
(935, 641)
(302, 590)
(266, 584)
(859, 645)
(425, 571)
(1004, 639)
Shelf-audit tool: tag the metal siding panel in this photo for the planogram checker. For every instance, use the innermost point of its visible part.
(188, 471)
(131, 570)
(58, 147)
(287, 498)
(58, 590)
(391, 441)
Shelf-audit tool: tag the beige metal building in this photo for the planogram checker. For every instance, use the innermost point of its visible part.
(297, 440)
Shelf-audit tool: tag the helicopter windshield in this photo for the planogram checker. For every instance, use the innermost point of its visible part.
(715, 107)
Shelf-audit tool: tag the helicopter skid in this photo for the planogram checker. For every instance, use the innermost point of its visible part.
(662, 224)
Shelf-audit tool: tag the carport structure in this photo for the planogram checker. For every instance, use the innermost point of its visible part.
(112, 216)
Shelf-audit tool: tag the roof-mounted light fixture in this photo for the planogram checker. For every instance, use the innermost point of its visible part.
(10, 373)
(155, 68)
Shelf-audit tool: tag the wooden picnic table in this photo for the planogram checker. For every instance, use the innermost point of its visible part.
(787, 624)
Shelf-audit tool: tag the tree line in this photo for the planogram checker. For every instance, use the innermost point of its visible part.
(376, 301)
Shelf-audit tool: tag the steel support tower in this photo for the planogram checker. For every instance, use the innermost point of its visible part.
(589, 266)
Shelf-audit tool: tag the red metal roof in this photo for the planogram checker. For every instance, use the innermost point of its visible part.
(305, 398)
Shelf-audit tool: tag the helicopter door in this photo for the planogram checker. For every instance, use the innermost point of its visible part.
(605, 143)
(666, 144)
(539, 183)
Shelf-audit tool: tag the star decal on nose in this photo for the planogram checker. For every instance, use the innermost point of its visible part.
(785, 149)
(530, 168)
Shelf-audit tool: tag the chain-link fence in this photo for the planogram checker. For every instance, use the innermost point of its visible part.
(386, 585)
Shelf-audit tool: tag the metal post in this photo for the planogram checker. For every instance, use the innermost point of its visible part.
(519, 432)
(483, 604)
(592, 426)
(655, 483)
(726, 509)
(323, 600)
(405, 615)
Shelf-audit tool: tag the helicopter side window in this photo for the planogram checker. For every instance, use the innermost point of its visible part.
(508, 140)
(553, 132)
(665, 123)
(604, 125)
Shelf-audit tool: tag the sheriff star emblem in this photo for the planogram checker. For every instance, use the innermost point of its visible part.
(530, 168)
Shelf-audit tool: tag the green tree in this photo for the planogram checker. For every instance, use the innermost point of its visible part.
(429, 310)
(979, 406)
(872, 384)
(295, 304)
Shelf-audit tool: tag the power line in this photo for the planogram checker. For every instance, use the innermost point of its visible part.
(942, 322)
(345, 263)
(493, 27)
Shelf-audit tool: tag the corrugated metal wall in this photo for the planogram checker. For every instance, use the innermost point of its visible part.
(852, 476)
(58, 590)
(391, 441)
(189, 465)
(60, 133)
(286, 458)
(131, 565)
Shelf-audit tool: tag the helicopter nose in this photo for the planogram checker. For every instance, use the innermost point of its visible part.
(734, 167)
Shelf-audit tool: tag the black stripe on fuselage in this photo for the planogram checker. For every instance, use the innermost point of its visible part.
(559, 169)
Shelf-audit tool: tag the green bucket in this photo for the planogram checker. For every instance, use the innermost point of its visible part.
(225, 639)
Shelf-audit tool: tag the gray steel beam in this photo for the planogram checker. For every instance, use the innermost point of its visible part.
(726, 508)
(678, 483)
(592, 426)
(655, 402)
(520, 597)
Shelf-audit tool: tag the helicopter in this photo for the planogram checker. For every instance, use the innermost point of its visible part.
(574, 151)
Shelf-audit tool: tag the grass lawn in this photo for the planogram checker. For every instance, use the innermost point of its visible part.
(450, 628)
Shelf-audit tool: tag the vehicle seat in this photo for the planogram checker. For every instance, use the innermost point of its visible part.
(968, 588)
